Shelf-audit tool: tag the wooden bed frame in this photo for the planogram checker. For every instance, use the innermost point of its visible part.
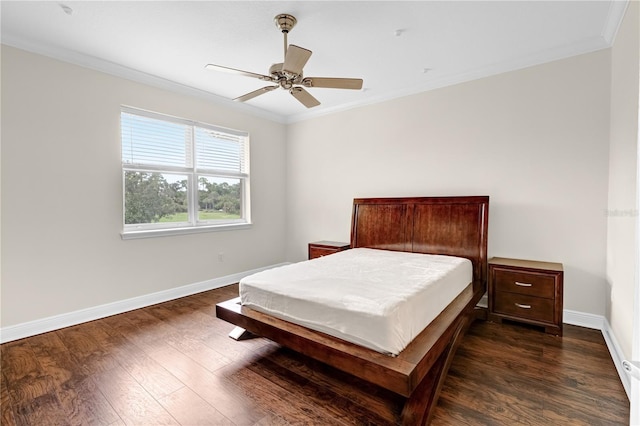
(454, 226)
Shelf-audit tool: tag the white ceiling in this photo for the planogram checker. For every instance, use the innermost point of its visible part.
(387, 43)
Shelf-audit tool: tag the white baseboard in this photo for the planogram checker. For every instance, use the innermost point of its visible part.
(32, 328)
(599, 322)
(582, 319)
(617, 356)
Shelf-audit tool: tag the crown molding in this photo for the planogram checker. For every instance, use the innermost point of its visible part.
(111, 68)
(545, 56)
(617, 9)
(615, 15)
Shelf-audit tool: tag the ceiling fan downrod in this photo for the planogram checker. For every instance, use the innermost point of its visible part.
(285, 23)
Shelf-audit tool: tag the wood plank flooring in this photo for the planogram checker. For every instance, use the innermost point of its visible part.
(173, 364)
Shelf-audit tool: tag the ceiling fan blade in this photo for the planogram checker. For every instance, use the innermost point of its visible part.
(235, 71)
(255, 93)
(295, 59)
(333, 83)
(304, 97)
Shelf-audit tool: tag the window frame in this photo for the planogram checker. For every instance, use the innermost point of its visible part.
(193, 174)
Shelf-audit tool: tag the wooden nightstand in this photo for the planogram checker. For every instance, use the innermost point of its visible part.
(323, 248)
(526, 291)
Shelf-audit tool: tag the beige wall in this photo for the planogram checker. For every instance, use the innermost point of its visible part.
(534, 140)
(622, 256)
(62, 193)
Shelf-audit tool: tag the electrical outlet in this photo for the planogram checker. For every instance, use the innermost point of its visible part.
(221, 257)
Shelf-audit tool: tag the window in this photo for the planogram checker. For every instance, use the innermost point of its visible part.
(181, 176)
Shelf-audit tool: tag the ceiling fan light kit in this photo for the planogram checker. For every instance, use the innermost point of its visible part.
(288, 74)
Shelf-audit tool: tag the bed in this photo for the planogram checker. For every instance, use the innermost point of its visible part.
(452, 226)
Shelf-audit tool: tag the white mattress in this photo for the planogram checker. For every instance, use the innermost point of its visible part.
(375, 298)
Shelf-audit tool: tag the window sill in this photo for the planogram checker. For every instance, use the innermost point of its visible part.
(152, 233)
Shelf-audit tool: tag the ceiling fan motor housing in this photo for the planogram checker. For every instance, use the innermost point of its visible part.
(284, 79)
(285, 22)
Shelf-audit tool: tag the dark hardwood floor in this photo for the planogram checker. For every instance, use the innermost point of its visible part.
(173, 364)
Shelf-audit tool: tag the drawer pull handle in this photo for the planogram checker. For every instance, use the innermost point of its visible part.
(523, 284)
(523, 306)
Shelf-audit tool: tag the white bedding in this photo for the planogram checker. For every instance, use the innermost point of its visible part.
(376, 298)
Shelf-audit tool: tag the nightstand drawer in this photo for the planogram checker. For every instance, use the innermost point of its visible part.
(323, 248)
(320, 251)
(529, 283)
(523, 306)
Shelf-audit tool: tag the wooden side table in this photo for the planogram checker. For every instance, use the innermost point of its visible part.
(526, 291)
(323, 248)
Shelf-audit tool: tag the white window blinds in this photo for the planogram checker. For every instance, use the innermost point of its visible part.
(149, 141)
(153, 139)
(182, 173)
(220, 152)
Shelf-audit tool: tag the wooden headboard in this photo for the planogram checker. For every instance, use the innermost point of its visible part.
(455, 226)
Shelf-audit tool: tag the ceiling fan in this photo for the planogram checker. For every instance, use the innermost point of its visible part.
(288, 74)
